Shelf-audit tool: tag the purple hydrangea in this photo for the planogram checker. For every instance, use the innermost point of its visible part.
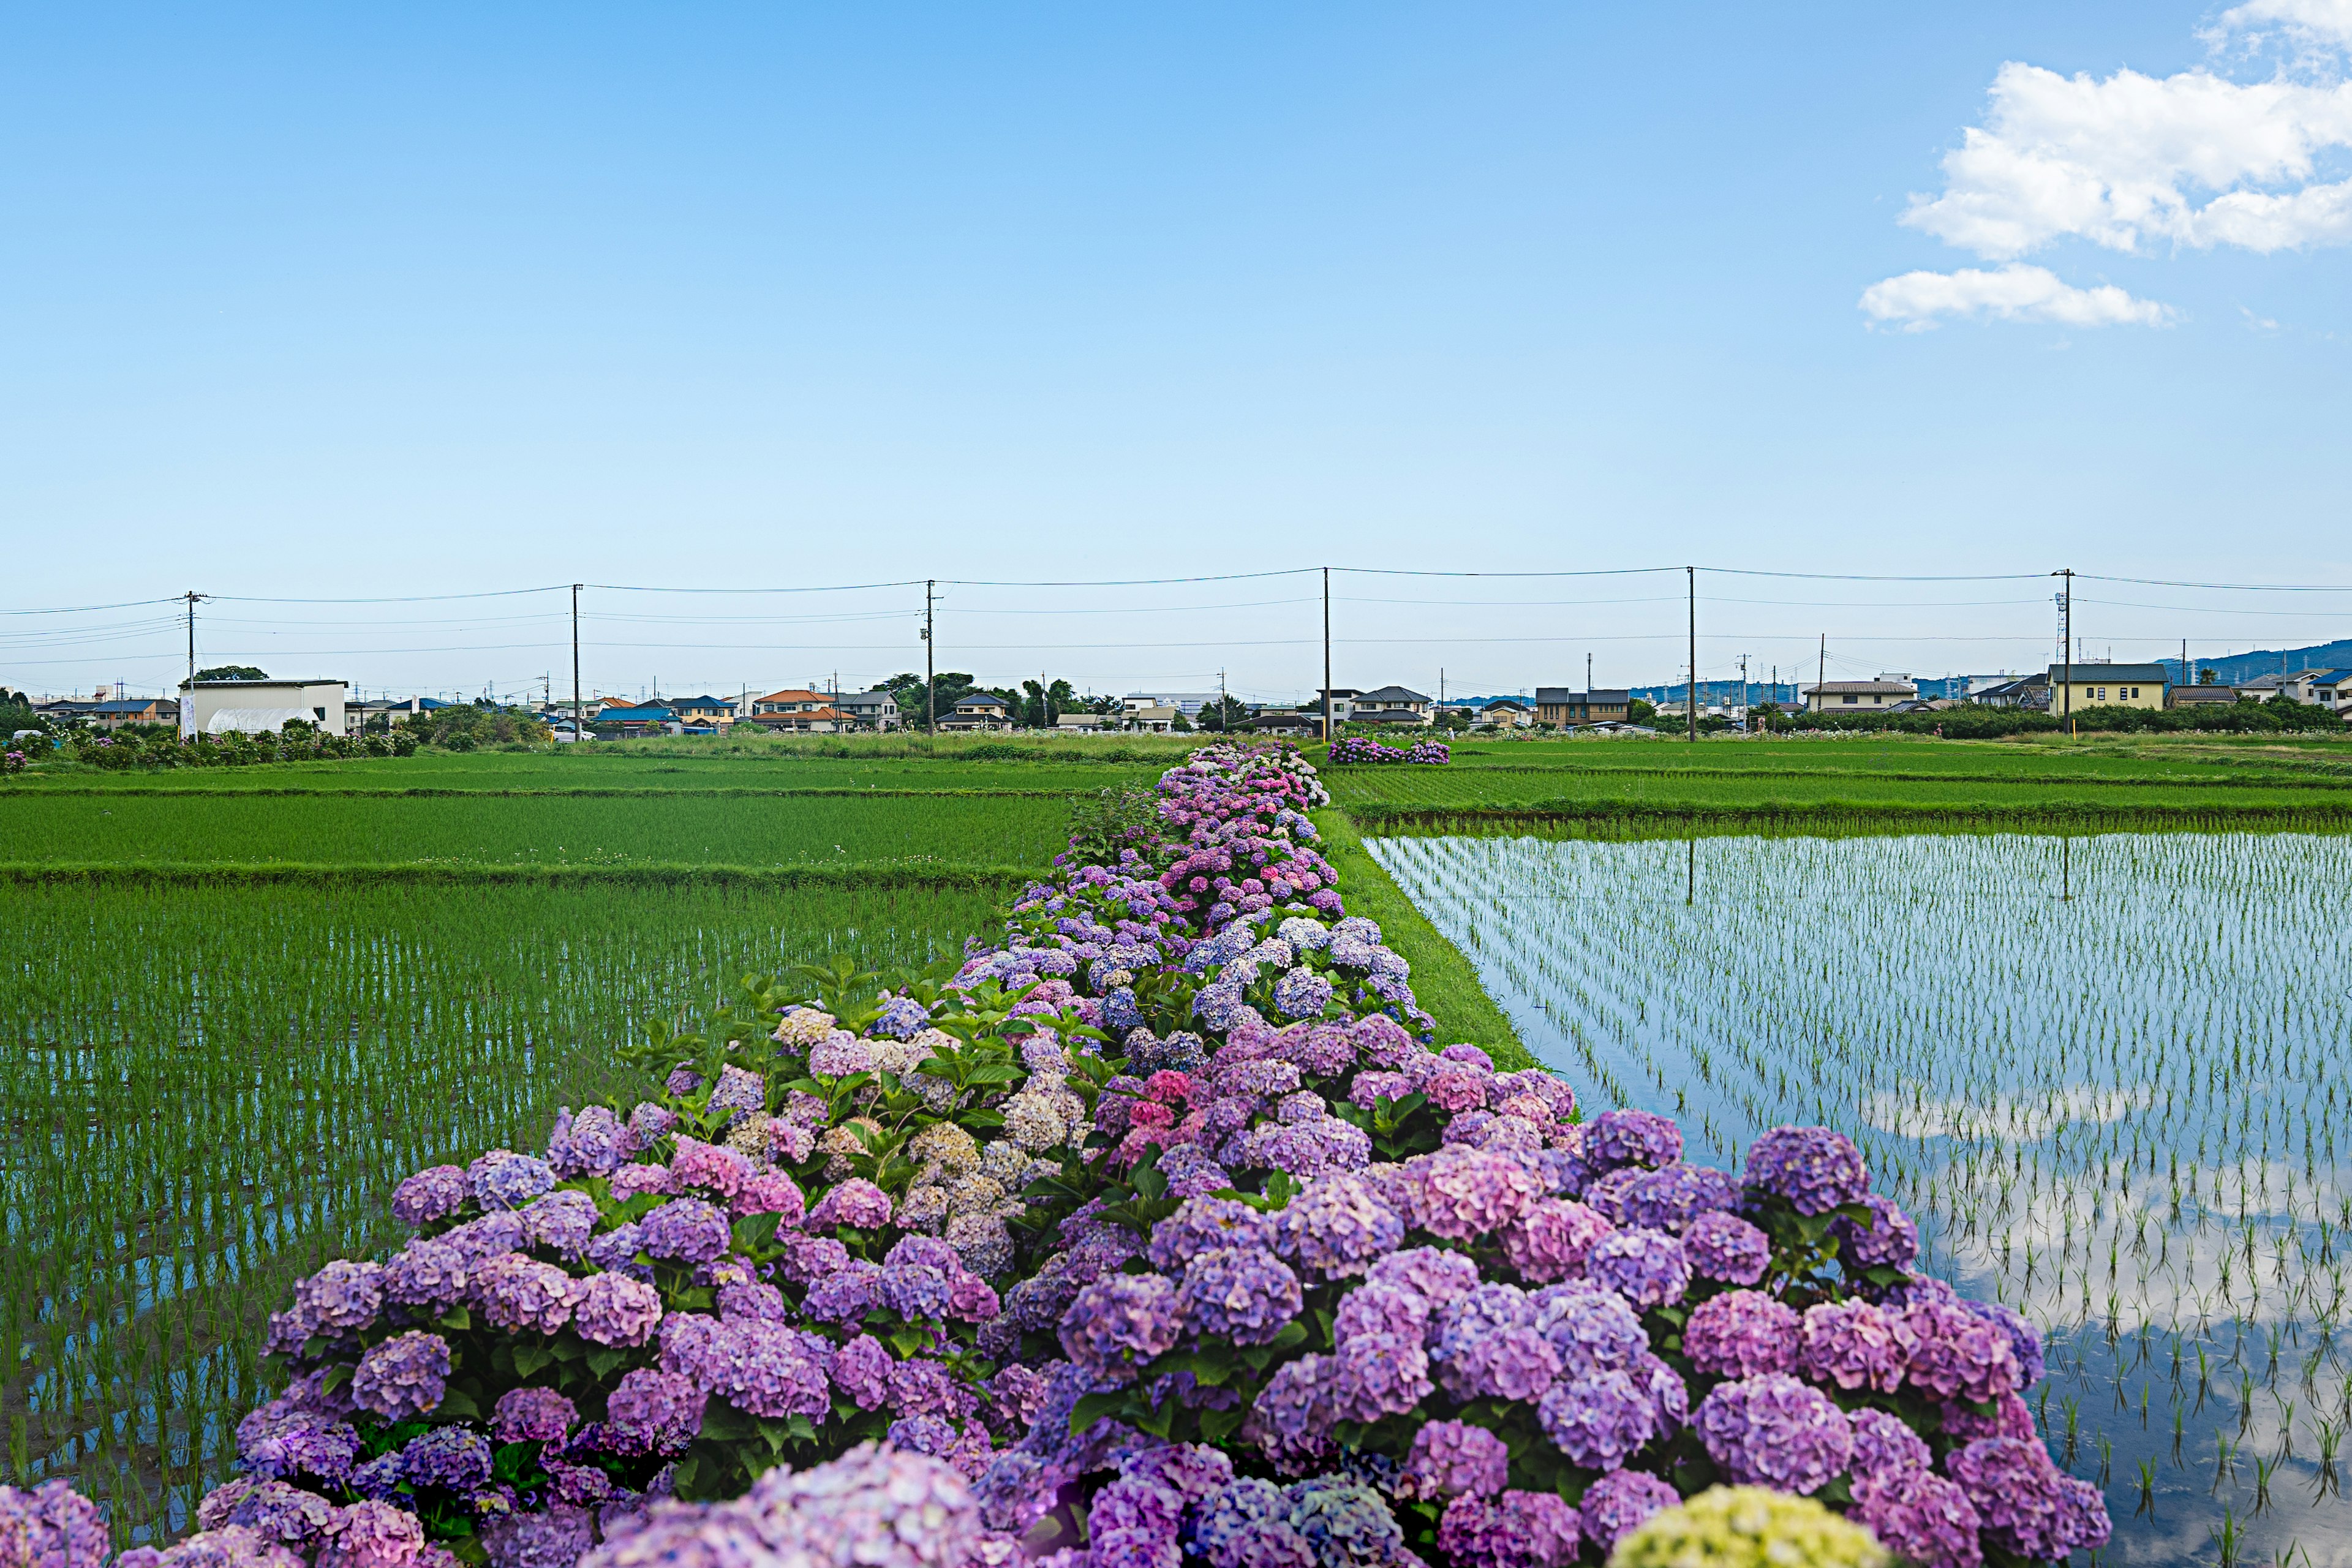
(653, 1411)
(532, 1416)
(2026, 1506)
(1741, 1333)
(1551, 1239)
(503, 1179)
(1598, 1419)
(1671, 1197)
(402, 1377)
(752, 1298)
(561, 1222)
(845, 1295)
(52, 1526)
(1346, 1523)
(1301, 993)
(2010, 1419)
(1725, 1247)
(1291, 1419)
(1437, 1275)
(614, 1310)
(1338, 1226)
(1460, 1192)
(433, 1194)
(1244, 1294)
(1891, 1238)
(856, 1203)
(913, 1291)
(1616, 1139)
(1119, 1323)
(522, 1294)
(1381, 1309)
(1203, 1224)
(1956, 1354)
(449, 1458)
(2023, 1342)
(1594, 1329)
(341, 1297)
(1247, 1525)
(556, 1538)
(685, 1230)
(1816, 1169)
(902, 1018)
(1919, 1516)
(428, 1277)
(1454, 1459)
(1619, 1502)
(1375, 1375)
(861, 1369)
(1499, 1363)
(1883, 1443)
(839, 1054)
(1516, 1529)
(592, 1143)
(1775, 1432)
(1854, 1345)
(1648, 1267)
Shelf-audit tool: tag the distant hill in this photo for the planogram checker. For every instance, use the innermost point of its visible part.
(2236, 668)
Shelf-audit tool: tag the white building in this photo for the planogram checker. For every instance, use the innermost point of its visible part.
(1847, 696)
(1188, 703)
(255, 707)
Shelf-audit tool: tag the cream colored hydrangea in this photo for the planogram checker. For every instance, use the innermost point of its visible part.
(804, 1029)
(748, 1135)
(1747, 1527)
(955, 1150)
(1035, 1121)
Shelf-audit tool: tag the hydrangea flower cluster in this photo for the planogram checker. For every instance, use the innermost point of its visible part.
(1352, 749)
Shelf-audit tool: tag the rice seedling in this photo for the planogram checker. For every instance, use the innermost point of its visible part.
(2106, 1075)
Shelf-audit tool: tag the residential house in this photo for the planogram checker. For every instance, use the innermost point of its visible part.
(2262, 687)
(1300, 724)
(2201, 697)
(2107, 686)
(643, 719)
(115, 713)
(1158, 718)
(1342, 700)
(876, 710)
(1506, 713)
(798, 713)
(716, 712)
(979, 710)
(255, 707)
(1083, 723)
(1857, 696)
(1390, 705)
(2020, 692)
(1562, 706)
(1189, 703)
(2329, 689)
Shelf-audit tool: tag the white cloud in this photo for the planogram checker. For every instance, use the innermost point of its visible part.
(2311, 22)
(1919, 301)
(2194, 159)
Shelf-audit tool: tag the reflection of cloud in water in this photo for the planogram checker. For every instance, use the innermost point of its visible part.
(2061, 1254)
(2016, 1119)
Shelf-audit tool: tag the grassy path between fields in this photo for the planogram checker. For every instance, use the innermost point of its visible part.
(1443, 981)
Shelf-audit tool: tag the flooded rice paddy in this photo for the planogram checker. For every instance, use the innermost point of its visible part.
(2111, 1077)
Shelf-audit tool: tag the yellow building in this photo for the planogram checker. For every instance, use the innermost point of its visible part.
(2106, 685)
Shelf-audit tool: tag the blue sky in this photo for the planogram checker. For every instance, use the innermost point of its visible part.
(298, 304)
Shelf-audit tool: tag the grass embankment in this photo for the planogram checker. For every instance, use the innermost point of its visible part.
(1443, 979)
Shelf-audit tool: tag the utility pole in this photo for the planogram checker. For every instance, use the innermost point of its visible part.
(931, 665)
(192, 598)
(1225, 719)
(1691, 574)
(2066, 642)
(1588, 683)
(1743, 691)
(1327, 737)
(579, 711)
(1822, 673)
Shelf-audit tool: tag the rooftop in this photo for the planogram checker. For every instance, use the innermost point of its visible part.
(2109, 674)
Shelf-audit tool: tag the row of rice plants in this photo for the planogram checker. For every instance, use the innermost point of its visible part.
(521, 830)
(205, 1093)
(563, 772)
(2107, 1076)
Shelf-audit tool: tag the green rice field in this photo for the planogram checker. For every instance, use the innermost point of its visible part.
(2107, 1075)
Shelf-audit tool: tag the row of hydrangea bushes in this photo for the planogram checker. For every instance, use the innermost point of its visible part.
(1160, 1232)
(1350, 749)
